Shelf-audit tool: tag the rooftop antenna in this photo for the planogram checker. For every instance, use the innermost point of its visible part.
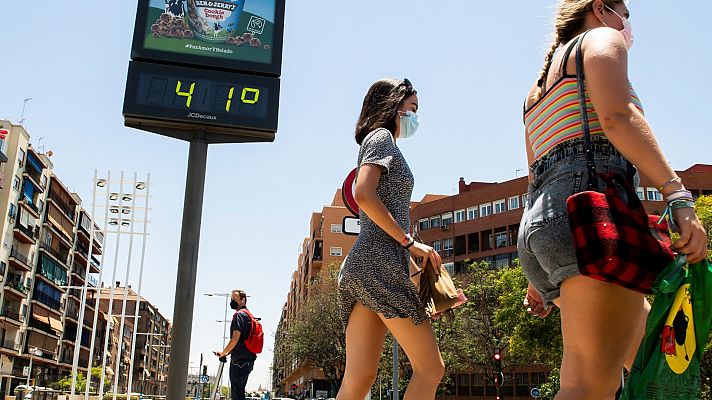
(516, 173)
(22, 118)
(40, 147)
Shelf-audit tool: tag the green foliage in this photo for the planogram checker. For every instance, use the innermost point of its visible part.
(66, 383)
(494, 318)
(703, 209)
(120, 396)
(316, 336)
(552, 385)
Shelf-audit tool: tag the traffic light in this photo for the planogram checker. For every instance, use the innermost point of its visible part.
(497, 356)
(205, 369)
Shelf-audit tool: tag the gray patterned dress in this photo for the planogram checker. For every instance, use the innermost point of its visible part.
(376, 270)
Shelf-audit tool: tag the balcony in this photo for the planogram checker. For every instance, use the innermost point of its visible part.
(59, 255)
(35, 177)
(26, 234)
(13, 314)
(14, 285)
(48, 301)
(10, 345)
(68, 210)
(19, 260)
(29, 206)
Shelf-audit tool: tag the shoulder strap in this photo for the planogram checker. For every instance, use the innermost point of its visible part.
(567, 54)
(590, 162)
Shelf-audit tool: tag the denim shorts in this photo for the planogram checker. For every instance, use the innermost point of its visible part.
(545, 243)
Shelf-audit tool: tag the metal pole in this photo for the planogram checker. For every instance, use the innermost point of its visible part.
(187, 269)
(97, 305)
(396, 395)
(140, 283)
(82, 306)
(111, 295)
(227, 301)
(29, 374)
(120, 349)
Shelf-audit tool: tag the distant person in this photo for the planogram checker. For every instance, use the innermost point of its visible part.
(602, 324)
(242, 360)
(376, 294)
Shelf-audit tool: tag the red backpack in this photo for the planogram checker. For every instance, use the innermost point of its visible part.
(255, 341)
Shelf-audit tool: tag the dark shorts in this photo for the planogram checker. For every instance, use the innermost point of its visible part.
(545, 243)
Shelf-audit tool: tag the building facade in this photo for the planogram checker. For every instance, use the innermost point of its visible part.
(47, 257)
(481, 223)
(151, 352)
(43, 261)
(325, 245)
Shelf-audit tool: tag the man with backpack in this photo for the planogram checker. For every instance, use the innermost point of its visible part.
(246, 340)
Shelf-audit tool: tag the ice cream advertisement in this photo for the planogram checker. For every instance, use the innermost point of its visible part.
(240, 30)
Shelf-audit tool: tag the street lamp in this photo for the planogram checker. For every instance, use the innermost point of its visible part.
(34, 351)
(224, 321)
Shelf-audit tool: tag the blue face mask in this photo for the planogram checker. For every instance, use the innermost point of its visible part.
(409, 122)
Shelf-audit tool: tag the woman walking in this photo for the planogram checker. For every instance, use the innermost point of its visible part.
(375, 291)
(602, 324)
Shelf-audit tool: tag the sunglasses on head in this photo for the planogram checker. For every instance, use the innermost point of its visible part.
(408, 86)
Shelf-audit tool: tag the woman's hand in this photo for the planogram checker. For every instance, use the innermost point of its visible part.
(693, 238)
(426, 253)
(534, 303)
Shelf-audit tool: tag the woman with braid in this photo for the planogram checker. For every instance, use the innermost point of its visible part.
(602, 324)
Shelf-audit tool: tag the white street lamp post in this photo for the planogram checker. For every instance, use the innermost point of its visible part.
(227, 301)
(34, 351)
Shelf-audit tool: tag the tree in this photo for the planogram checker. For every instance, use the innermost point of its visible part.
(316, 336)
(703, 209)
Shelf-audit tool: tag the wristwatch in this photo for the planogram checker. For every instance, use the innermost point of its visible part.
(407, 241)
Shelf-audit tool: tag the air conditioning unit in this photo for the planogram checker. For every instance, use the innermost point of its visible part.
(21, 163)
(444, 227)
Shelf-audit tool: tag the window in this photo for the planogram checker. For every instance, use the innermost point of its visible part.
(485, 209)
(12, 212)
(434, 222)
(44, 181)
(16, 183)
(449, 267)
(460, 215)
(423, 224)
(500, 206)
(525, 196)
(335, 251)
(335, 228)
(654, 195)
(437, 245)
(472, 213)
(501, 239)
(641, 193)
(514, 203)
(447, 218)
(21, 156)
(447, 244)
(40, 205)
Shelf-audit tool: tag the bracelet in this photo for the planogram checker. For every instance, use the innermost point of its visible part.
(671, 181)
(679, 194)
(412, 242)
(678, 204)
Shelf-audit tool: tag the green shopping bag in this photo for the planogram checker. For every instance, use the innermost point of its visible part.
(667, 365)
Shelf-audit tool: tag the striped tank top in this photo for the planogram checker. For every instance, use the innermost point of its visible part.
(555, 117)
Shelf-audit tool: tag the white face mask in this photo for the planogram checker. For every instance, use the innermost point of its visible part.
(627, 31)
(409, 122)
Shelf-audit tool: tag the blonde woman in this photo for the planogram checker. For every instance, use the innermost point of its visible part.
(602, 324)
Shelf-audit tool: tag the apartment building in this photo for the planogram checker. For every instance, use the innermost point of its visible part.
(481, 223)
(326, 244)
(152, 332)
(43, 262)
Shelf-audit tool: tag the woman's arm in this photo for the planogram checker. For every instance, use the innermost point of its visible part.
(606, 70)
(367, 199)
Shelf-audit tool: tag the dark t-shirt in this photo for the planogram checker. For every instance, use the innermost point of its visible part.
(242, 322)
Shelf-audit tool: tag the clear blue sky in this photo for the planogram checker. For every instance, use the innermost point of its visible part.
(472, 63)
